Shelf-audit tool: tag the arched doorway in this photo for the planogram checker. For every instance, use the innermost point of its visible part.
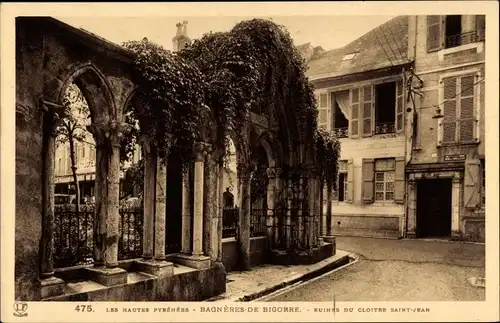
(258, 192)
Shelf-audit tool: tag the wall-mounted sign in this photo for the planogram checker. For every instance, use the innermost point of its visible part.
(454, 157)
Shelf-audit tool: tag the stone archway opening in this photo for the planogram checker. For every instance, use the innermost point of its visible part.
(259, 185)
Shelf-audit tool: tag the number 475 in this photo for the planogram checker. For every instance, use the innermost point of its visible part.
(84, 308)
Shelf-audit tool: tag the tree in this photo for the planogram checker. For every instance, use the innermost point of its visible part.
(72, 130)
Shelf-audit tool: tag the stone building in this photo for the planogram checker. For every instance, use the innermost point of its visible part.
(181, 217)
(446, 174)
(361, 97)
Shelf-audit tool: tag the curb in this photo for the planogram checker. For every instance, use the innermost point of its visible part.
(347, 259)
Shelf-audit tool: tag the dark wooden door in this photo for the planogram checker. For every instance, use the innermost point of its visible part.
(434, 208)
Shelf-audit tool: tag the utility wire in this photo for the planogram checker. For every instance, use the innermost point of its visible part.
(380, 43)
(400, 50)
(389, 44)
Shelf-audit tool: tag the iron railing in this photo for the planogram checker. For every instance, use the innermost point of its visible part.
(383, 128)
(461, 39)
(74, 236)
(341, 132)
(258, 223)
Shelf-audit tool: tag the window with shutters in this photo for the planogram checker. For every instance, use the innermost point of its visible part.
(385, 108)
(384, 179)
(483, 182)
(354, 127)
(323, 111)
(458, 124)
(340, 193)
(454, 30)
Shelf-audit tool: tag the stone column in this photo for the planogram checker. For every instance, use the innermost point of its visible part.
(199, 166)
(214, 214)
(207, 202)
(455, 207)
(322, 208)
(109, 196)
(160, 210)
(272, 174)
(149, 196)
(329, 210)
(50, 285)
(412, 209)
(220, 206)
(101, 196)
(186, 214)
(301, 225)
(113, 207)
(244, 215)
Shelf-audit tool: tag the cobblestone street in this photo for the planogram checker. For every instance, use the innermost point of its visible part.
(399, 270)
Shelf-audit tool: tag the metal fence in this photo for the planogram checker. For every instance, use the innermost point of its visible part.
(74, 235)
(461, 39)
(258, 224)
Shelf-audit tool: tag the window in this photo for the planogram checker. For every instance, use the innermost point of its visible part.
(340, 108)
(385, 107)
(459, 121)
(349, 56)
(454, 30)
(322, 109)
(483, 182)
(340, 194)
(384, 179)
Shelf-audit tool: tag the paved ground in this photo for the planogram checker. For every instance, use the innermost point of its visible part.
(399, 270)
(265, 277)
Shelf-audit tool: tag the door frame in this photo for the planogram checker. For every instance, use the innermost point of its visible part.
(456, 200)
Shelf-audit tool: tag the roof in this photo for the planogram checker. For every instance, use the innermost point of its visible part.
(382, 47)
(98, 43)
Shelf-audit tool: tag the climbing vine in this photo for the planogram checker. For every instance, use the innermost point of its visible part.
(327, 151)
(169, 101)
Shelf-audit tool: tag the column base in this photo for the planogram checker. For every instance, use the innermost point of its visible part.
(198, 262)
(411, 235)
(328, 239)
(159, 268)
(455, 236)
(108, 276)
(51, 286)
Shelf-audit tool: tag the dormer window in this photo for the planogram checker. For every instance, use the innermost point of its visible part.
(349, 56)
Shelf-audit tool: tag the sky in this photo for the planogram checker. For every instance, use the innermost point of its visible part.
(330, 32)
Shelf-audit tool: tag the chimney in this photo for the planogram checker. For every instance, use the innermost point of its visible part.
(181, 38)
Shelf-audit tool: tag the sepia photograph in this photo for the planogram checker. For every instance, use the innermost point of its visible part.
(263, 160)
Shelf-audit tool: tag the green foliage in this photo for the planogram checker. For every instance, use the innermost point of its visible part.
(253, 67)
(327, 152)
(169, 101)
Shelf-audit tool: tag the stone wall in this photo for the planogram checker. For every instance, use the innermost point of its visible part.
(29, 168)
(258, 252)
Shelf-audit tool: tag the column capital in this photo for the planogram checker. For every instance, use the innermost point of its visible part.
(243, 170)
(112, 130)
(274, 172)
(201, 150)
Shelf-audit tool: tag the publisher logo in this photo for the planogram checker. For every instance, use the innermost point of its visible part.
(20, 309)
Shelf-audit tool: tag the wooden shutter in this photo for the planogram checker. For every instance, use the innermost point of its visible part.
(367, 110)
(472, 184)
(322, 111)
(399, 180)
(332, 109)
(434, 33)
(354, 128)
(480, 27)
(450, 110)
(350, 181)
(399, 106)
(467, 115)
(368, 174)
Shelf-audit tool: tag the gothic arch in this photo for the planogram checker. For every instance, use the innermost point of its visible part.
(96, 90)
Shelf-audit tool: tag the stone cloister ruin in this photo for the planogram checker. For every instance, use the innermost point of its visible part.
(51, 55)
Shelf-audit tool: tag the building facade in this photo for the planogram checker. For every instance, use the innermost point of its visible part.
(361, 97)
(446, 177)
